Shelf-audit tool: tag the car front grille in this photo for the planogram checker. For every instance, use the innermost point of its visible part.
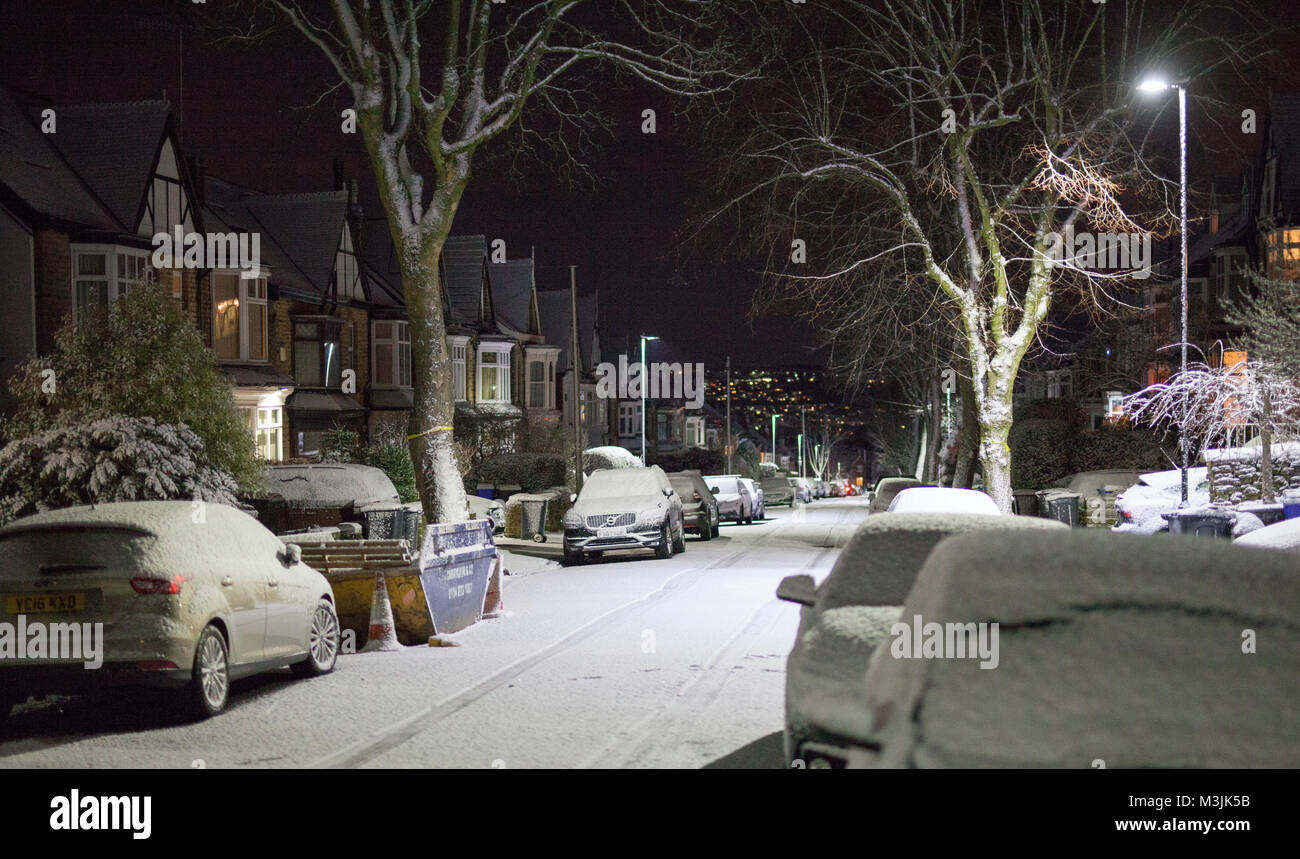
(614, 520)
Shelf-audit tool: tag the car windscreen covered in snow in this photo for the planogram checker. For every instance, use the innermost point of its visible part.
(620, 483)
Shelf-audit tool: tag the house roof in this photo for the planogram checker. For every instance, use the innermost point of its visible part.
(512, 293)
(379, 258)
(35, 172)
(553, 308)
(463, 258)
(113, 147)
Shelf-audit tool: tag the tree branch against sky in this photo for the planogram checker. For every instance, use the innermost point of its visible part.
(432, 83)
(953, 141)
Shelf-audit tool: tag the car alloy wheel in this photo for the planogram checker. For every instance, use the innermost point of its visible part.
(322, 643)
(665, 547)
(706, 528)
(210, 685)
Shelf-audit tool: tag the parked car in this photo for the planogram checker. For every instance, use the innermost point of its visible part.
(777, 491)
(1284, 536)
(734, 501)
(1138, 509)
(324, 494)
(756, 494)
(488, 508)
(1111, 654)
(185, 604)
(886, 489)
(624, 508)
(800, 489)
(943, 499)
(849, 616)
(699, 507)
(1094, 488)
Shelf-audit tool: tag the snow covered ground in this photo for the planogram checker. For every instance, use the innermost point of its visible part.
(619, 663)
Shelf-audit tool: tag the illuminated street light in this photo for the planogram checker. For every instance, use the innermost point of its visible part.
(644, 380)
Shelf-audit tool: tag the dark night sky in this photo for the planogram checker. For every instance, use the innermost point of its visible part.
(251, 112)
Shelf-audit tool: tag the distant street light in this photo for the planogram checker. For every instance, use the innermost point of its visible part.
(645, 378)
(775, 415)
(1154, 85)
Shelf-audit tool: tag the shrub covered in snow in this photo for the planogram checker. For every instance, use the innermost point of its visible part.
(108, 460)
(529, 471)
(608, 456)
(141, 358)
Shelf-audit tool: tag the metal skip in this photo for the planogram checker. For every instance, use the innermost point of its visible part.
(455, 564)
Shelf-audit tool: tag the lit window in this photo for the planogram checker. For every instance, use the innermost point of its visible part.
(458, 369)
(1283, 253)
(536, 385)
(494, 373)
(316, 362)
(238, 316)
(268, 429)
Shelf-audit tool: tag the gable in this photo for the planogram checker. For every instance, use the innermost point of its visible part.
(167, 202)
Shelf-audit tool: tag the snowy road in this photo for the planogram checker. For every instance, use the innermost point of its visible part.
(632, 662)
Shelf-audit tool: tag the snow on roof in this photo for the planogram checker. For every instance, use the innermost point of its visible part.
(942, 499)
(880, 562)
(1120, 648)
(1281, 535)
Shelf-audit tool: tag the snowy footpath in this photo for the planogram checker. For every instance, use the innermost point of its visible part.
(625, 662)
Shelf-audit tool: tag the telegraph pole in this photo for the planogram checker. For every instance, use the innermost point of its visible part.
(803, 431)
(729, 471)
(574, 364)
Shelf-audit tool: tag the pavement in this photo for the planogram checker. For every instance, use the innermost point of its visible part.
(630, 661)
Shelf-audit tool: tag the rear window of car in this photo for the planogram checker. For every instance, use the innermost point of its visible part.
(724, 484)
(33, 552)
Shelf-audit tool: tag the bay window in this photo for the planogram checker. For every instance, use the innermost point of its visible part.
(268, 428)
(536, 385)
(391, 350)
(494, 373)
(1282, 250)
(239, 316)
(458, 346)
(316, 361)
(103, 273)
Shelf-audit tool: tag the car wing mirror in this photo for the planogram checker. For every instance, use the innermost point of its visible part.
(797, 589)
(573, 497)
(292, 555)
(714, 490)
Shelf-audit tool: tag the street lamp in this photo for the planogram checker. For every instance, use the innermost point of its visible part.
(775, 415)
(1154, 85)
(645, 379)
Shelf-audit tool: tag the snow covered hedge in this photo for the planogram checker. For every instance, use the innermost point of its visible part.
(531, 472)
(113, 459)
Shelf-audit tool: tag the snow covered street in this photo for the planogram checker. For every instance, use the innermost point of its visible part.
(625, 662)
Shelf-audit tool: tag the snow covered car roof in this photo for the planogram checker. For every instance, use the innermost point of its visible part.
(1173, 477)
(943, 499)
(162, 519)
(1115, 648)
(1280, 535)
(331, 484)
(882, 559)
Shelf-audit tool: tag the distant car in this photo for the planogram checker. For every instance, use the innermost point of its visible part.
(624, 508)
(800, 489)
(756, 494)
(886, 489)
(323, 494)
(1088, 485)
(777, 491)
(699, 507)
(943, 499)
(1138, 509)
(187, 603)
(735, 504)
(1284, 535)
(488, 508)
(849, 617)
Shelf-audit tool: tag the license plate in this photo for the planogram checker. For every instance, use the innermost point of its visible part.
(611, 532)
(38, 603)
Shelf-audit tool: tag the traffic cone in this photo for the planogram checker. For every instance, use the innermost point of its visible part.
(492, 602)
(383, 632)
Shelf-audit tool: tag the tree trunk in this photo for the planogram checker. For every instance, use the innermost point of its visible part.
(1266, 493)
(968, 438)
(995, 456)
(937, 437)
(437, 476)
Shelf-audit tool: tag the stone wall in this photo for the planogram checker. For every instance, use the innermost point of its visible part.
(1234, 473)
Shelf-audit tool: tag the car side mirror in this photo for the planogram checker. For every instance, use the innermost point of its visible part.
(292, 555)
(714, 490)
(573, 497)
(797, 589)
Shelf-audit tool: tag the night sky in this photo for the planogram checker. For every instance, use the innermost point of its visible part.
(258, 116)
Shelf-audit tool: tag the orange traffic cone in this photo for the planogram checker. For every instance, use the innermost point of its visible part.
(383, 632)
(492, 602)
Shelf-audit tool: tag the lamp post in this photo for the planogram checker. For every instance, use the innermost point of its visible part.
(1153, 85)
(775, 415)
(645, 379)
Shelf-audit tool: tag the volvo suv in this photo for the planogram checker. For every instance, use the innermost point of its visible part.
(624, 508)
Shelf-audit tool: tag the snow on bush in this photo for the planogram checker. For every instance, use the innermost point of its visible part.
(108, 460)
(608, 456)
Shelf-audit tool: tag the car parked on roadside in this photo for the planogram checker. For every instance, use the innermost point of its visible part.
(318, 495)
(759, 500)
(886, 489)
(800, 489)
(1139, 509)
(849, 616)
(487, 508)
(624, 508)
(943, 499)
(186, 603)
(735, 503)
(699, 506)
(777, 491)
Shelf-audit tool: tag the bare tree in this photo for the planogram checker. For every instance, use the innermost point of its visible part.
(1206, 403)
(432, 83)
(820, 447)
(954, 145)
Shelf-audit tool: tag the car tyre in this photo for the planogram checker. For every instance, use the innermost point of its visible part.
(706, 530)
(717, 529)
(209, 690)
(322, 643)
(679, 545)
(665, 547)
(570, 558)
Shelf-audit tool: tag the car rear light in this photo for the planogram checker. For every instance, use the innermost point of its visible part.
(151, 585)
(155, 665)
(1126, 515)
